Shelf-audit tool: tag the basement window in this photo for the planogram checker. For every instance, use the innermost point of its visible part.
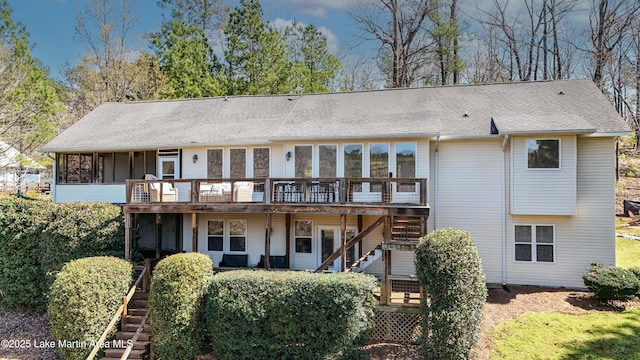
(534, 243)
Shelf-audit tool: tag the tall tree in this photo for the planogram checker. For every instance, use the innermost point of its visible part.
(205, 15)
(314, 68)
(30, 107)
(187, 61)
(104, 25)
(255, 53)
(400, 28)
(446, 35)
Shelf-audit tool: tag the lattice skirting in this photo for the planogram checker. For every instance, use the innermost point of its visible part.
(397, 327)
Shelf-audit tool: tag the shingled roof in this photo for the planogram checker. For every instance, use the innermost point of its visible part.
(566, 106)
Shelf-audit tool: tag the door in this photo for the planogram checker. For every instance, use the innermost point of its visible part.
(329, 242)
(168, 167)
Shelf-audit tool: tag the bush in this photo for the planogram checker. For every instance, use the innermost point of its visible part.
(83, 298)
(38, 237)
(613, 283)
(22, 277)
(449, 269)
(289, 315)
(178, 290)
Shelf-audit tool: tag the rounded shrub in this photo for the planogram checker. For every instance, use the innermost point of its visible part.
(22, 278)
(612, 283)
(449, 269)
(289, 315)
(178, 288)
(83, 298)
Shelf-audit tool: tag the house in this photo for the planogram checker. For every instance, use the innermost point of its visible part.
(17, 171)
(317, 181)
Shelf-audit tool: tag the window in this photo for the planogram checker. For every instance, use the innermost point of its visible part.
(215, 235)
(214, 163)
(233, 230)
(543, 154)
(303, 161)
(238, 163)
(237, 235)
(302, 235)
(353, 164)
(75, 168)
(406, 165)
(378, 164)
(261, 163)
(534, 243)
(327, 156)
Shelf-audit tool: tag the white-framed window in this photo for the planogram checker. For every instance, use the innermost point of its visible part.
(406, 165)
(303, 236)
(214, 163)
(237, 163)
(534, 243)
(328, 160)
(227, 235)
(543, 153)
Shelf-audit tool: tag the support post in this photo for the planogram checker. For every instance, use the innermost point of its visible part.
(385, 290)
(343, 242)
(194, 232)
(146, 279)
(287, 236)
(127, 236)
(359, 231)
(158, 235)
(123, 318)
(267, 241)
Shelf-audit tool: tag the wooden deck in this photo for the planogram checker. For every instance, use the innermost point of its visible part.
(349, 196)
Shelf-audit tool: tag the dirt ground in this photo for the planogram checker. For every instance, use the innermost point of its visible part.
(501, 306)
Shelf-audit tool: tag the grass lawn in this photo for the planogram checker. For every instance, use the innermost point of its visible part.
(602, 335)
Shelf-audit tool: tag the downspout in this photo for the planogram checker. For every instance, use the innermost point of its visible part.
(436, 165)
(504, 211)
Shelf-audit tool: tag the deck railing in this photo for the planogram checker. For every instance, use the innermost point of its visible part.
(279, 191)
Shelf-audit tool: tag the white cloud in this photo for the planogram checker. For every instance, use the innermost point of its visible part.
(320, 8)
(333, 44)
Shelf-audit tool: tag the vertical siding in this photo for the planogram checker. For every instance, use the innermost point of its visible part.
(470, 196)
(544, 191)
(582, 239)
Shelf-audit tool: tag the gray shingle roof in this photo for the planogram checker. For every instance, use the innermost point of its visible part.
(553, 106)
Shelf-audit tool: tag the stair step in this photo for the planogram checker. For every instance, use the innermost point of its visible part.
(139, 304)
(134, 327)
(137, 312)
(125, 335)
(139, 295)
(134, 319)
(117, 353)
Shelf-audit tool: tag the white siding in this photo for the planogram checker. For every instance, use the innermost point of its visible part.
(582, 239)
(543, 191)
(470, 196)
(112, 193)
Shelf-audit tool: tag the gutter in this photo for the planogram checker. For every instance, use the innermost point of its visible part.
(503, 196)
(436, 166)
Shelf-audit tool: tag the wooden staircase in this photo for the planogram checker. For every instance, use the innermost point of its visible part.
(135, 329)
(406, 229)
(366, 260)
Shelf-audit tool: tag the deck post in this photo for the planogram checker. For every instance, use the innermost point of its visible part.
(127, 236)
(343, 242)
(267, 241)
(359, 231)
(194, 232)
(385, 289)
(158, 235)
(287, 236)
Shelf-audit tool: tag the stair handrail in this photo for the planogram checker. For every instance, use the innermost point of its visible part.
(122, 310)
(127, 351)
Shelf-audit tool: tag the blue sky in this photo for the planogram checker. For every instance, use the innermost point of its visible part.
(50, 24)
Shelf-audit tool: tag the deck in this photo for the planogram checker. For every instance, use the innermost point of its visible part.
(361, 196)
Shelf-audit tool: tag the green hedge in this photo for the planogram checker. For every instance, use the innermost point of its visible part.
(449, 268)
(22, 278)
(613, 283)
(38, 237)
(178, 290)
(83, 298)
(289, 315)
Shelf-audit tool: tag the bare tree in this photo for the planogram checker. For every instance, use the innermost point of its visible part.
(401, 29)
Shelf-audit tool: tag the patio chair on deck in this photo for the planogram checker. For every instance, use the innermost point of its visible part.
(169, 193)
